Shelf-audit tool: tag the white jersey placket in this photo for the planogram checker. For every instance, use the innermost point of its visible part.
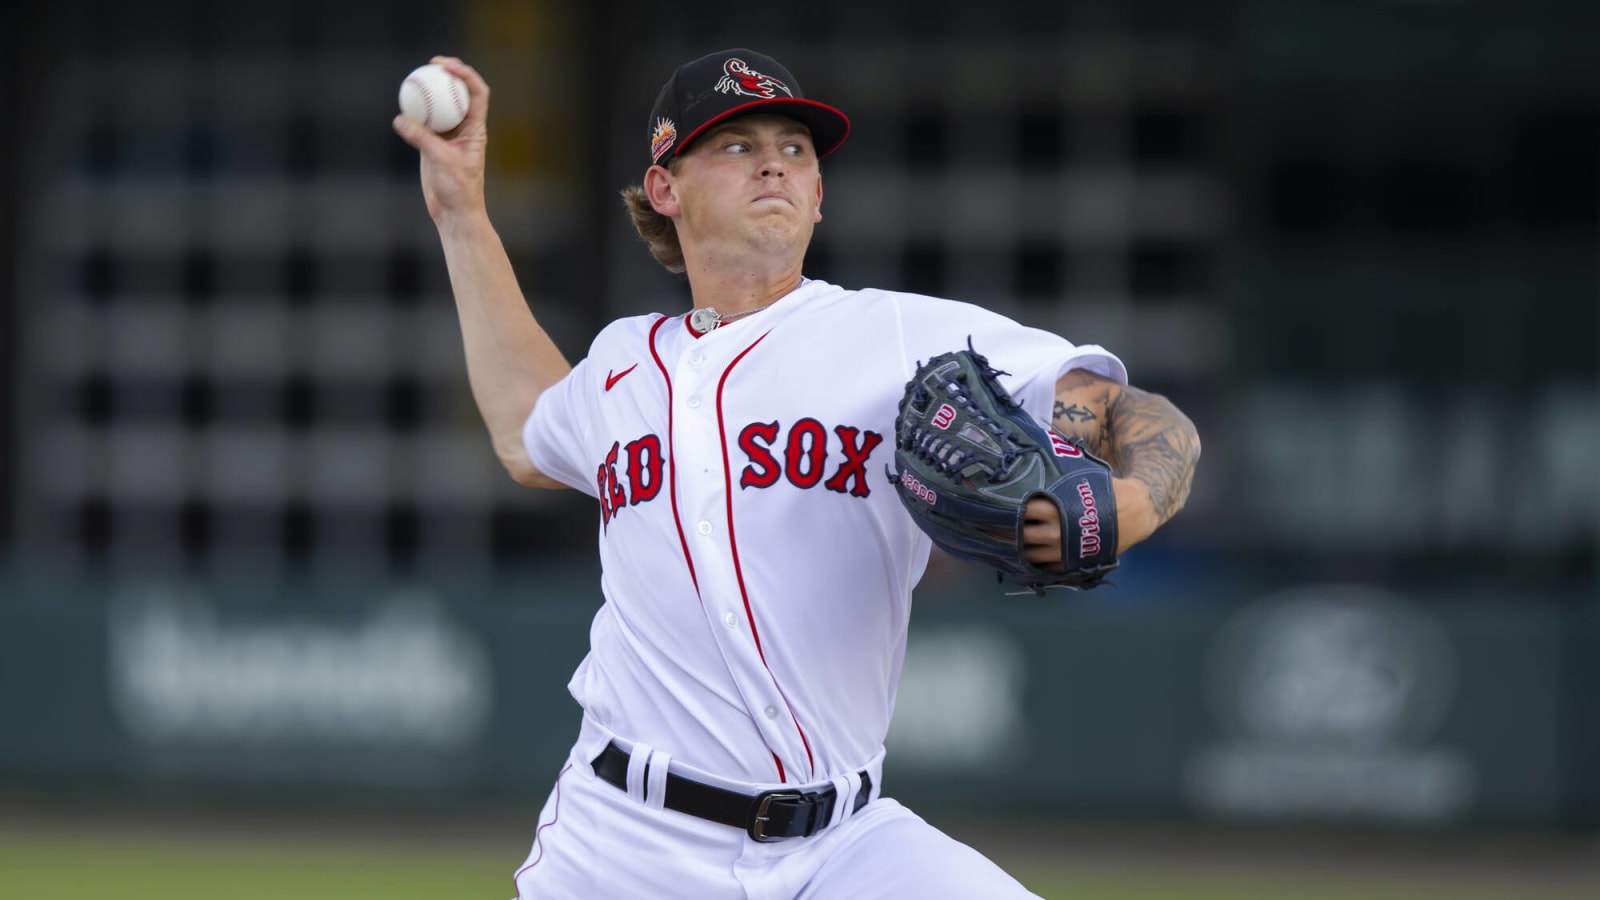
(705, 372)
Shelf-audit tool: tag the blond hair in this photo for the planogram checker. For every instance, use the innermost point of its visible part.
(656, 230)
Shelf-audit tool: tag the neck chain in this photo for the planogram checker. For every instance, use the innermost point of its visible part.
(705, 318)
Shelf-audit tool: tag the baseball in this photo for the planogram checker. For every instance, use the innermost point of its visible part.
(431, 96)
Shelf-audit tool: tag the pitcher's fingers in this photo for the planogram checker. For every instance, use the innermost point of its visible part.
(1041, 510)
(424, 139)
(1041, 528)
(1042, 555)
(477, 88)
(1041, 534)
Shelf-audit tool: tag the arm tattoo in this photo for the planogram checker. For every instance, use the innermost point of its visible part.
(1142, 435)
(1080, 419)
(1073, 413)
(1156, 444)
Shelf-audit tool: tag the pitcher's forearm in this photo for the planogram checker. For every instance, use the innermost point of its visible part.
(510, 358)
(1153, 442)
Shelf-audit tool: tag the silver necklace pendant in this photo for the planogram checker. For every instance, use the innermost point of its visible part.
(704, 319)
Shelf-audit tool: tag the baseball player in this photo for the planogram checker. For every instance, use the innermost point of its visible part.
(757, 565)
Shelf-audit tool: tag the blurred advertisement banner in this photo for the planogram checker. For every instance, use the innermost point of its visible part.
(1329, 700)
(960, 699)
(403, 674)
(1382, 469)
(1339, 704)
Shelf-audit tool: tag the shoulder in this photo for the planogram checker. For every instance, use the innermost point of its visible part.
(619, 344)
(920, 318)
(908, 303)
(626, 332)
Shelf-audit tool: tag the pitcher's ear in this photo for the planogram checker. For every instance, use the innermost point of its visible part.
(661, 191)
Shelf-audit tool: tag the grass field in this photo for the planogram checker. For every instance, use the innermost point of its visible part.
(52, 864)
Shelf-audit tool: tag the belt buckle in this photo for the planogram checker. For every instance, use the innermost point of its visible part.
(758, 823)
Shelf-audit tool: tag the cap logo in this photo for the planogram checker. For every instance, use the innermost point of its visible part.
(662, 138)
(739, 78)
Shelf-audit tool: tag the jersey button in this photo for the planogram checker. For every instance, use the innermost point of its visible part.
(705, 527)
(771, 712)
(730, 620)
(693, 402)
(697, 357)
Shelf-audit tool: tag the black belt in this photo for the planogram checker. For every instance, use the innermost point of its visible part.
(766, 816)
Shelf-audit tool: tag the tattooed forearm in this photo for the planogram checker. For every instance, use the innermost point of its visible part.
(1142, 435)
(1155, 443)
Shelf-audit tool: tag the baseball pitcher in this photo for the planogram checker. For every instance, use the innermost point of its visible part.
(772, 469)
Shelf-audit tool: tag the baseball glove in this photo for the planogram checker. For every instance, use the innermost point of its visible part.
(967, 461)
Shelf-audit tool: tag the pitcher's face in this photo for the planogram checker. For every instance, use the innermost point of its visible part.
(751, 182)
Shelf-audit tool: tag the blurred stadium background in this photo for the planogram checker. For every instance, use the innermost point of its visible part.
(272, 622)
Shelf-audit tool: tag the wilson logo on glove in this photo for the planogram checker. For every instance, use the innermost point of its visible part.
(944, 417)
(1089, 537)
(1062, 446)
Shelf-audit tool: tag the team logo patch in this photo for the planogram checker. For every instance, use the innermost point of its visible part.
(662, 138)
(739, 78)
(944, 417)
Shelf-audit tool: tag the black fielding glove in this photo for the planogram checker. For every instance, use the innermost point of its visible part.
(967, 461)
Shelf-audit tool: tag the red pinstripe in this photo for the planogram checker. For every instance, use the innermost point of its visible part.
(672, 460)
(738, 569)
(538, 834)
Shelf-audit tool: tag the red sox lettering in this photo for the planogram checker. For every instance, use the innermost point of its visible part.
(805, 456)
(633, 473)
(641, 478)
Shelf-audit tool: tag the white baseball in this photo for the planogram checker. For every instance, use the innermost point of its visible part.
(431, 96)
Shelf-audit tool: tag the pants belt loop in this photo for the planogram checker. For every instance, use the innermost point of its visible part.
(846, 786)
(655, 788)
(638, 762)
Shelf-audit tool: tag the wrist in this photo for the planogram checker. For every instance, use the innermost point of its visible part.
(1136, 517)
(453, 223)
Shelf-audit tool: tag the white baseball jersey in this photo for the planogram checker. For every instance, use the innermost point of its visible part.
(757, 565)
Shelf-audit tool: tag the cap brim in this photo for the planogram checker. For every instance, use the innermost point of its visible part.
(829, 127)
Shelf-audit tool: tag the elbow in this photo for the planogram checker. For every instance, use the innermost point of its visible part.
(521, 468)
(1192, 458)
(1190, 435)
(524, 473)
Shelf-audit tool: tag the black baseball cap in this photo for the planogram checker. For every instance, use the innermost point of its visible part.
(729, 83)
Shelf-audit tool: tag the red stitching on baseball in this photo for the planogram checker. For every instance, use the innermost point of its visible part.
(427, 98)
(456, 98)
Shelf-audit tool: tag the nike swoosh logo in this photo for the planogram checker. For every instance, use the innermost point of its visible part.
(611, 380)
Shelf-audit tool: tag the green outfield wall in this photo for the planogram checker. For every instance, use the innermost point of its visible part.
(1292, 704)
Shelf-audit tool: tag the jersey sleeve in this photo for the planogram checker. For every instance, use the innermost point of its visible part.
(556, 432)
(1032, 358)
